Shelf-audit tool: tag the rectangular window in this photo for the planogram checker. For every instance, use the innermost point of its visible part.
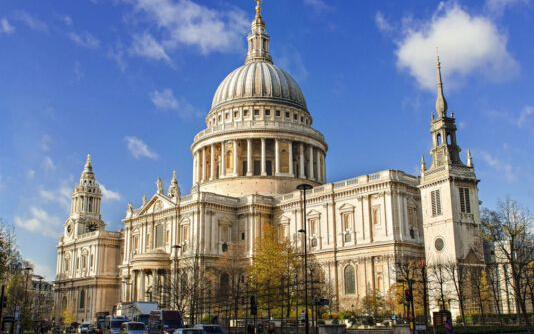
(236, 113)
(465, 203)
(256, 112)
(242, 235)
(295, 117)
(436, 202)
(245, 112)
(159, 236)
(278, 113)
(376, 215)
(287, 114)
(267, 112)
(346, 222)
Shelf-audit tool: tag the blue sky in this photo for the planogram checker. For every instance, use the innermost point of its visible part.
(130, 81)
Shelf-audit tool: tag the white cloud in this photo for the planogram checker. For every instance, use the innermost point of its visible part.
(31, 21)
(6, 27)
(67, 20)
(85, 39)
(165, 100)
(526, 116)
(318, 6)
(468, 45)
(109, 194)
(382, 23)
(46, 141)
(186, 23)
(30, 174)
(500, 166)
(291, 59)
(40, 221)
(498, 7)
(146, 46)
(139, 149)
(78, 72)
(61, 196)
(48, 163)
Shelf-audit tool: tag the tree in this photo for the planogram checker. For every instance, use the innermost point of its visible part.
(438, 281)
(231, 269)
(457, 273)
(374, 304)
(67, 316)
(509, 228)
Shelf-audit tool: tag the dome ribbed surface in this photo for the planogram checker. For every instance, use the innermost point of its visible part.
(259, 80)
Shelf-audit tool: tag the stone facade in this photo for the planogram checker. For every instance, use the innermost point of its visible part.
(87, 256)
(258, 145)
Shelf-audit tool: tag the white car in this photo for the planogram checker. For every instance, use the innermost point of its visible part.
(188, 331)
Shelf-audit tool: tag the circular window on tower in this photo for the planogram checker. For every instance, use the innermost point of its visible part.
(439, 244)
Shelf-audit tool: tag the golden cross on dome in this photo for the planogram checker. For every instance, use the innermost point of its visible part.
(258, 7)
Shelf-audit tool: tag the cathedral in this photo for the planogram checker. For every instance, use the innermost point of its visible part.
(258, 145)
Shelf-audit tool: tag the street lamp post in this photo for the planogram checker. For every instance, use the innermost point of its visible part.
(303, 188)
(176, 290)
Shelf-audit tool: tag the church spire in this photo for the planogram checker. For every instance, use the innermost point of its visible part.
(258, 40)
(469, 158)
(441, 103)
(87, 173)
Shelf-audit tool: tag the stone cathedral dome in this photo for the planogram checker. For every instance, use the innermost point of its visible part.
(259, 80)
(259, 137)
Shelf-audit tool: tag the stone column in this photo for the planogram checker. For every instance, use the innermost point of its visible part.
(142, 292)
(290, 144)
(249, 158)
(203, 165)
(223, 159)
(234, 144)
(212, 162)
(318, 169)
(194, 168)
(302, 175)
(324, 167)
(311, 175)
(276, 157)
(263, 165)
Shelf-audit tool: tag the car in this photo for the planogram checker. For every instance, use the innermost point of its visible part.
(133, 327)
(188, 331)
(70, 330)
(84, 328)
(211, 329)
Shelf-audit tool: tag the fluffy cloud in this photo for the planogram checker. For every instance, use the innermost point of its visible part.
(186, 23)
(31, 21)
(61, 196)
(526, 117)
(49, 164)
(165, 100)
(146, 46)
(381, 22)
(498, 7)
(500, 166)
(318, 6)
(139, 149)
(39, 221)
(109, 194)
(468, 44)
(6, 27)
(85, 39)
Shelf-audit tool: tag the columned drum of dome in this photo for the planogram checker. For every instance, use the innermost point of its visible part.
(259, 136)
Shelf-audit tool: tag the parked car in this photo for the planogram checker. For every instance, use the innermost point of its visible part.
(85, 328)
(70, 330)
(133, 327)
(188, 331)
(211, 329)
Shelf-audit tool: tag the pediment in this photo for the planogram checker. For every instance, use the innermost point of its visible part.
(158, 202)
(313, 214)
(346, 208)
(285, 220)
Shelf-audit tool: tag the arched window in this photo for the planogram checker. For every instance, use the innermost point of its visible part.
(449, 141)
(350, 286)
(348, 238)
(82, 300)
(438, 139)
(314, 242)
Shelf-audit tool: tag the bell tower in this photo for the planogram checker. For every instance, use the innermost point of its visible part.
(85, 204)
(449, 192)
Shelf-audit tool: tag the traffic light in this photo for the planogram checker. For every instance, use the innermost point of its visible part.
(253, 306)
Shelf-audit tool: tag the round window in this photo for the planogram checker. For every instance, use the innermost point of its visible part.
(439, 244)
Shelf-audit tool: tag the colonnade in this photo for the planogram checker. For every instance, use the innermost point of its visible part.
(147, 285)
(259, 157)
